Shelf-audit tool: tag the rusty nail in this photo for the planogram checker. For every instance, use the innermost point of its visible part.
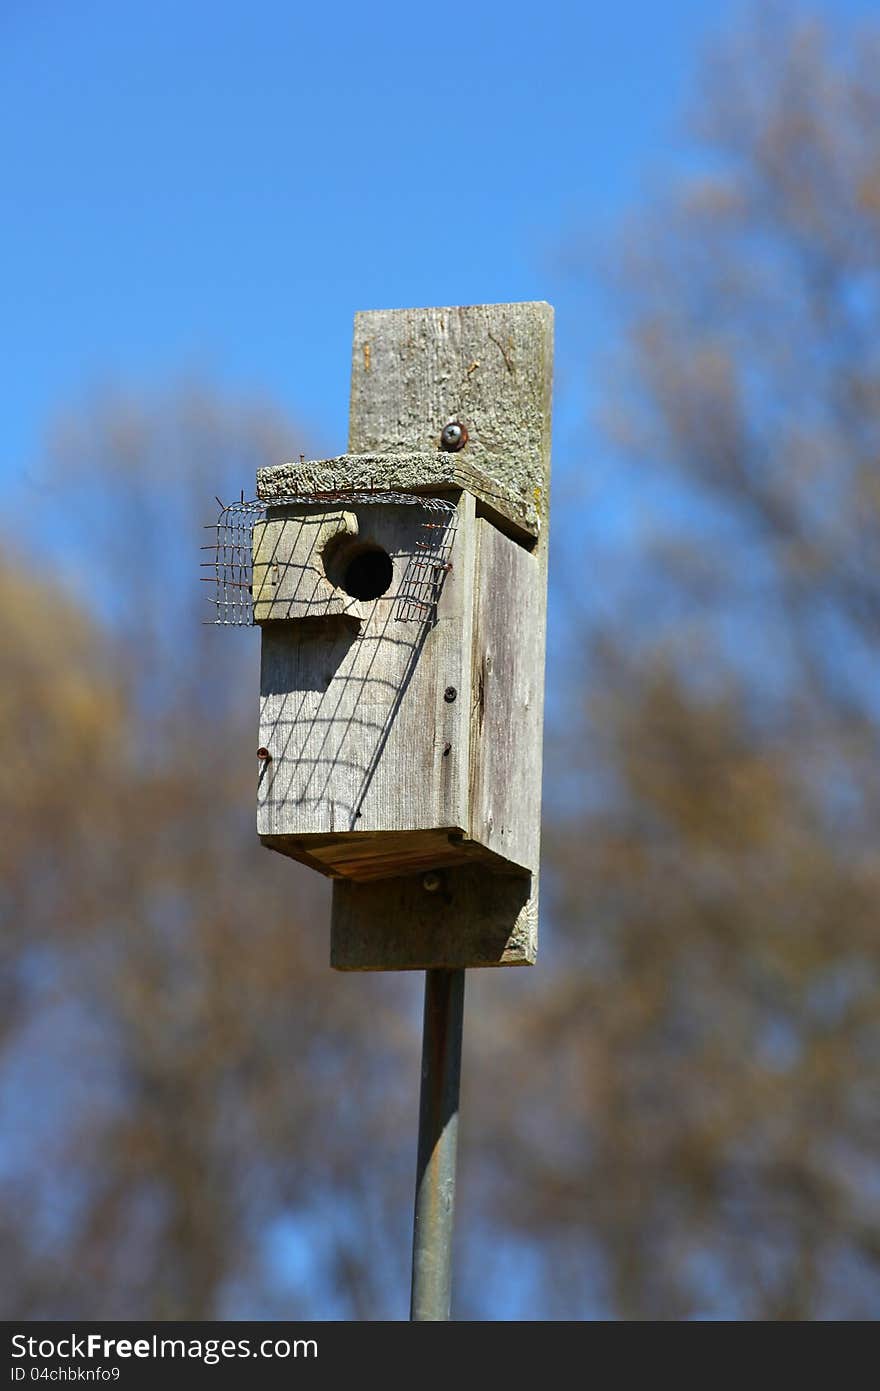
(449, 694)
(263, 754)
(453, 436)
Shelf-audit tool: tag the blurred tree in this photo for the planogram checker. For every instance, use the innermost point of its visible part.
(192, 1093)
(699, 1133)
(677, 1114)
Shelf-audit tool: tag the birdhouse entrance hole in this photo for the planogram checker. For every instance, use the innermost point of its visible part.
(362, 570)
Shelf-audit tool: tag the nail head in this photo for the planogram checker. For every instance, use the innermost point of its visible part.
(453, 436)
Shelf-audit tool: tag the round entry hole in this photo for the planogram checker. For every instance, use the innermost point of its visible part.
(367, 573)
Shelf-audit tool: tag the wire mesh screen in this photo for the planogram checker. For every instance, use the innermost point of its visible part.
(232, 563)
(231, 551)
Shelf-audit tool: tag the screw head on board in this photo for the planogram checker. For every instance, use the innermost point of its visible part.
(431, 881)
(449, 694)
(453, 436)
(264, 755)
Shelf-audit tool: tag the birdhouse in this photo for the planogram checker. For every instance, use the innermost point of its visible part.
(400, 593)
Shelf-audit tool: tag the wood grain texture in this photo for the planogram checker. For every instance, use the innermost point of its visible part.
(360, 734)
(474, 918)
(367, 855)
(437, 473)
(486, 365)
(489, 366)
(508, 704)
(289, 574)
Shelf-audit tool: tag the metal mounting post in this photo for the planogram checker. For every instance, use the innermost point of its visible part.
(438, 1141)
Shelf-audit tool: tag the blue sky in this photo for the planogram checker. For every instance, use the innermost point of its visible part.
(215, 188)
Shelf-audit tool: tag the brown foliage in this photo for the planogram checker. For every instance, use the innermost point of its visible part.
(676, 1114)
(195, 1065)
(703, 1064)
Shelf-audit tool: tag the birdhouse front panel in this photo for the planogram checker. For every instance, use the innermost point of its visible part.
(367, 622)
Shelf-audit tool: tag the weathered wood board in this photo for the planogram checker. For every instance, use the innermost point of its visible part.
(473, 918)
(290, 578)
(508, 699)
(490, 367)
(439, 472)
(361, 734)
(487, 365)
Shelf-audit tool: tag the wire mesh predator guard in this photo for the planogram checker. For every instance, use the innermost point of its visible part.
(415, 597)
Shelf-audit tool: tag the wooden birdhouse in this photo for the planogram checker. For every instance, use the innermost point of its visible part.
(401, 591)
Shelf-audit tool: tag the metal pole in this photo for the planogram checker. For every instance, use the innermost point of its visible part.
(438, 1137)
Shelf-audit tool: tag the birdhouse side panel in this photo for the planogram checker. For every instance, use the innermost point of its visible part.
(508, 705)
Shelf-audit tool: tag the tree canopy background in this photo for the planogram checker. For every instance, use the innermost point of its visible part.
(677, 1114)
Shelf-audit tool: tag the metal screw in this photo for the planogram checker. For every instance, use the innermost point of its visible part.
(453, 436)
(431, 882)
(264, 755)
(449, 694)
